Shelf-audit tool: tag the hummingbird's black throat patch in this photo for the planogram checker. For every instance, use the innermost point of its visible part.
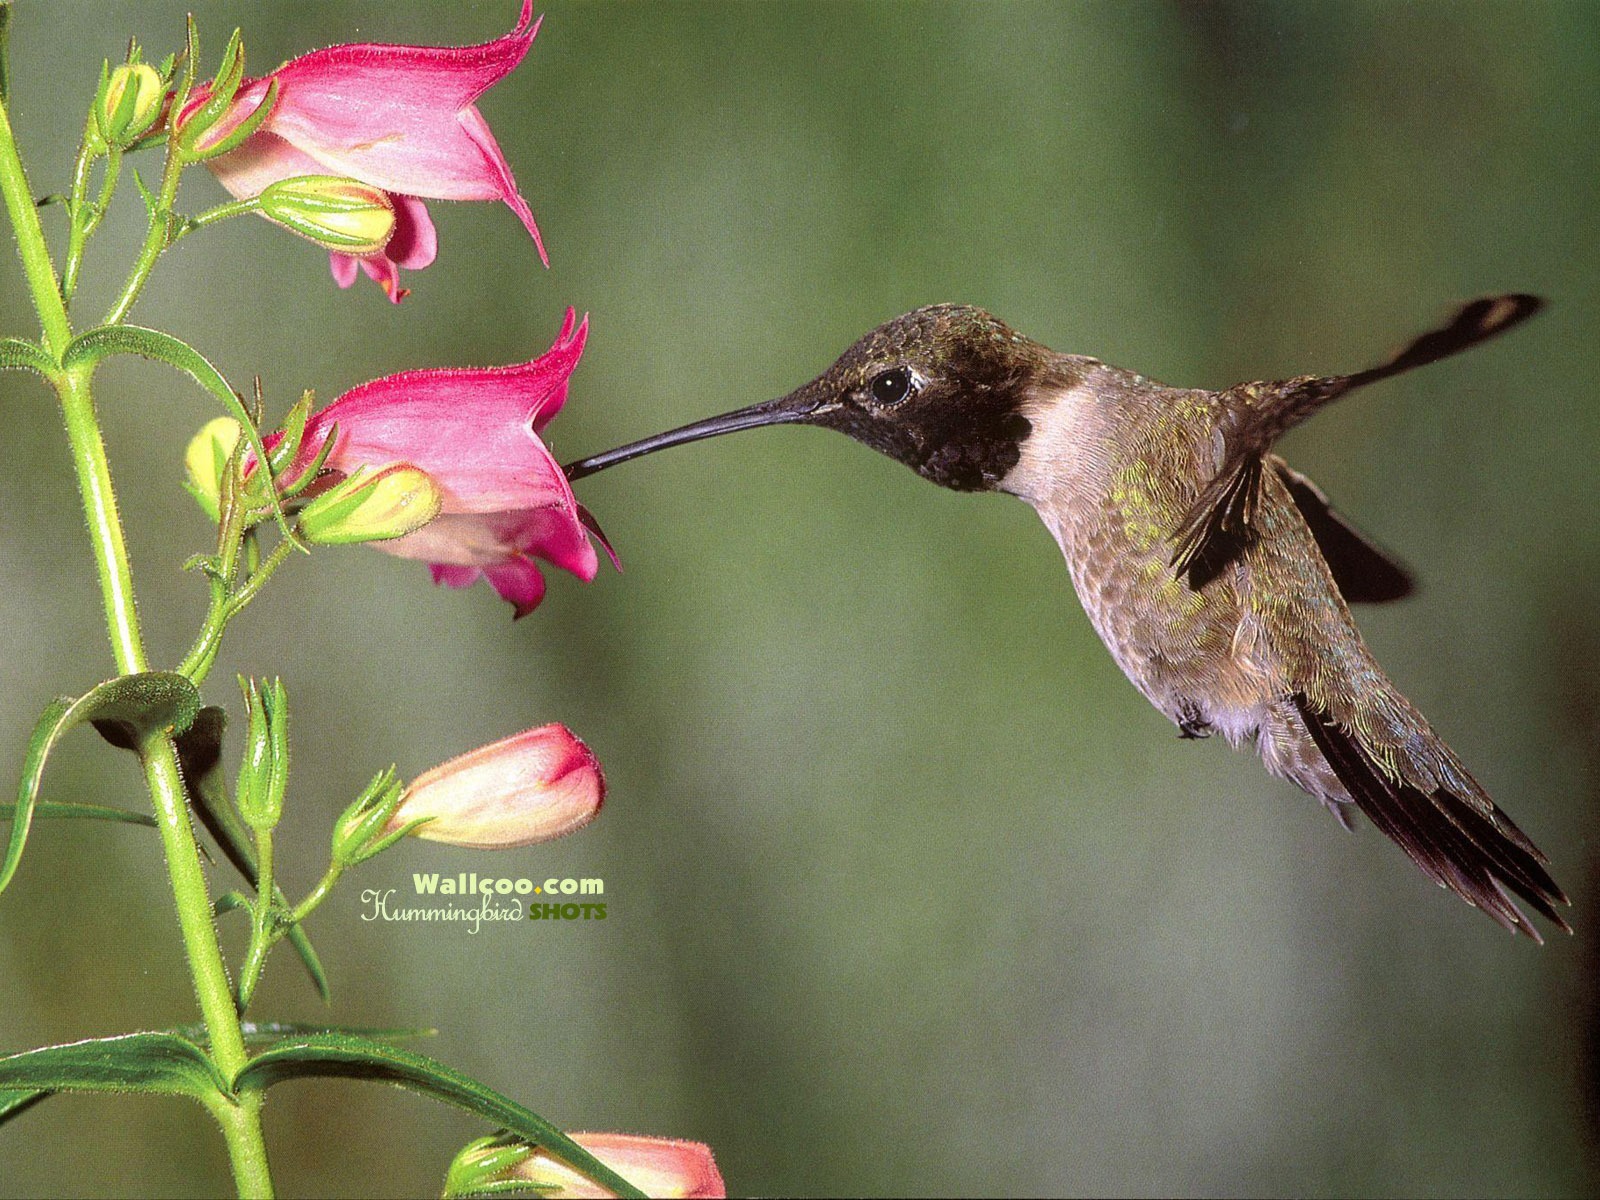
(961, 425)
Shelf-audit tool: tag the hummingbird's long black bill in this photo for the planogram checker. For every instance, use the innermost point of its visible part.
(792, 409)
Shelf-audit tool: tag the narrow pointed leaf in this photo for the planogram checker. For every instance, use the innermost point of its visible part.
(200, 753)
(17, 354)
(97, 344)
(13, 1103)
(45, 810)
(126, 710)
(157, 1063)
(349, 1057)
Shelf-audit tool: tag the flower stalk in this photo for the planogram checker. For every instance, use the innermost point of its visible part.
(240, 1122)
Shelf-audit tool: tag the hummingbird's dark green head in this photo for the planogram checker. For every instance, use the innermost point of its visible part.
(940, 389)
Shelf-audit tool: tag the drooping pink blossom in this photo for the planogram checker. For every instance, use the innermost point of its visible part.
(475, 431)
(523, 789)
(401, 118)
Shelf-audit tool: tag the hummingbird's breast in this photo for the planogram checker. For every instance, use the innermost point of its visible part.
(1113, 464)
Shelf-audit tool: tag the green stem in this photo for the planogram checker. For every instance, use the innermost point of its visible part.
(240, 1123)
(78, 231)
(226, 605)
(262, 921)
(318, 894)
(31, 246)
(158, 236)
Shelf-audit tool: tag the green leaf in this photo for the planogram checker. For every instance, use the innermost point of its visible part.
(16, 1101)
(13, 1103)
(18, 354)
(257, 1033)
(83, 812)
(351, 1057)
(200, 755)
(97, 344)
(157, 1063)
(127, 711)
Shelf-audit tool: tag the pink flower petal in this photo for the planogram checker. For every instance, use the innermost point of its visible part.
(519, 581)
(504, 499)
(343, 267)
(400, 118)
(414, 243)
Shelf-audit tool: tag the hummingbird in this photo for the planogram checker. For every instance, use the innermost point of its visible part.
(1219, 577)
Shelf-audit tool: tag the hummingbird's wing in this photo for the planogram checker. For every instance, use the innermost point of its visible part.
(1220, 522)
(1365, 573)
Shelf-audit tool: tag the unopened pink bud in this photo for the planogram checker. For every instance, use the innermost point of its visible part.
(527, 788)
(656, 1166)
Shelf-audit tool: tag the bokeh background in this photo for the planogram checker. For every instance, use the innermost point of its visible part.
(909, 891)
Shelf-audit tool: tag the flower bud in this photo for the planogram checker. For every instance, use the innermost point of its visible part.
(656, 1166)
(264, 771)
(362, 829)
(207, 458)
(372, 506)
(528, 788)
(338, 214)
(129, 102)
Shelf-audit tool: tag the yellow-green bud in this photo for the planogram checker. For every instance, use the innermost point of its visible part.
(207, 458)
(338, 214)
(372, 506)
(129, 103)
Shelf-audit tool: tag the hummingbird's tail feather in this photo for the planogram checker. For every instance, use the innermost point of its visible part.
(1456, 835)
(1219, 524)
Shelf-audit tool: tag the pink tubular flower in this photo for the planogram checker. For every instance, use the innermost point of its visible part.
(523, 789)
(503, 496)
(656, 1166)
(400, 118)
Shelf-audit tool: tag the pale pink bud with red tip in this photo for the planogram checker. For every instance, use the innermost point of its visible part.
(527, 788)
(400, 118)
(662, 1167)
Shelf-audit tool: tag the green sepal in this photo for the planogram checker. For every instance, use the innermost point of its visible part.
(200, 754)
(127, 711)
(224, 87)
(244, 130)
(351, 1057)
(294, 431)
(97, 344)
(46, 810)
(472, 1172)
(19, 354)
(162, 1064)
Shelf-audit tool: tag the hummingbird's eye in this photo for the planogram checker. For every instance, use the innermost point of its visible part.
(891, 386)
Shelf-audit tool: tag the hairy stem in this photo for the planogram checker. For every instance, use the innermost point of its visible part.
(240, 1122)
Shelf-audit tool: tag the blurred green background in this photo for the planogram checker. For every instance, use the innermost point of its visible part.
(909, 891)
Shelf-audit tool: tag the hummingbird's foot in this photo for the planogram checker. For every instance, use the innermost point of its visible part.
(1191, 725)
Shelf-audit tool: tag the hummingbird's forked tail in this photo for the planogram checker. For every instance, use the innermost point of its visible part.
(1452, 831)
